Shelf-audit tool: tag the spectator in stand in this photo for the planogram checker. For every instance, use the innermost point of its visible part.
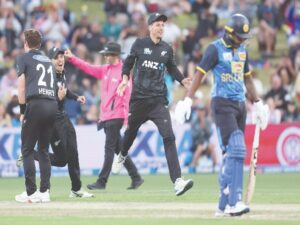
(295, 55)
(201, 131)
(246, 8)
(275, 114)
(292, 114)
(8, 13)
(126, 39)
(277, 93)
(293, 19)
(194, 60)
(55, 28)
(258, 84)
(287, 79)
(287, 72)
(136, 6)
(206, 21)
(172, 33)
(83, 22)
(188, 42)
(8, 83)
(65, 12)
(115, 6)
(3, 46)
(13, 109)
(269, 21)
(111, 28)
(10, 29)
(94, 40)
(79, 35)
(5, 120)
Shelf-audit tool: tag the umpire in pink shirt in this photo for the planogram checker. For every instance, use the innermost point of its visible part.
(114, 110)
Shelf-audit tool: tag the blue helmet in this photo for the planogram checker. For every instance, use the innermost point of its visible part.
(238, 25)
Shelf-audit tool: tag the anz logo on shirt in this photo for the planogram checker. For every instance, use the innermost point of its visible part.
(153, 65)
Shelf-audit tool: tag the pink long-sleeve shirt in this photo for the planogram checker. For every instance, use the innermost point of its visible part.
(112, 105)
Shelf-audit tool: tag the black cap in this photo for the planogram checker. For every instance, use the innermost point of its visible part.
(111, 48)
(156, 17)
(53, 52)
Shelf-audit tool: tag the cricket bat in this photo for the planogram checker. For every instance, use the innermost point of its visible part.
(252, 170)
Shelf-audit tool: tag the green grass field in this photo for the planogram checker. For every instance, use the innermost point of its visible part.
(276, 201)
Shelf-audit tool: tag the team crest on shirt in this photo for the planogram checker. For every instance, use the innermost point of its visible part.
(242, 56)
(147, 51)
(237, 67)
(163, 53)
(227, 56)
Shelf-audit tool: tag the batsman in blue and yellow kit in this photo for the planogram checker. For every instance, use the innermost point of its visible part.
(227, 58)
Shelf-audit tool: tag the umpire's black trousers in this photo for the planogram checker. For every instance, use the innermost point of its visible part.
(64, 146)
(156, 110)
(37, 128)
(113, 145)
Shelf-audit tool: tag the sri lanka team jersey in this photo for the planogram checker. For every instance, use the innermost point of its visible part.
(229, 66)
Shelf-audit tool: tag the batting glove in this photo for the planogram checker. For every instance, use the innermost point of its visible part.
(183, 110)
(261, 114)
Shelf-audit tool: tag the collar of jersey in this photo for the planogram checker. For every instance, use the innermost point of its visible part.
(35, 51)
(224, 43)
(149, 38)
(60, 75)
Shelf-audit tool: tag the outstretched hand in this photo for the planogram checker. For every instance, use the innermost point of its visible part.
(68, 54)
(122, 87)
(187, 82)
(81, 99)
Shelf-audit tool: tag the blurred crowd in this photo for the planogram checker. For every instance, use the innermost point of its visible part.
(125, 20)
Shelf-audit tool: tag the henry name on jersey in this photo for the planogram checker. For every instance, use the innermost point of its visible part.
(42, 85)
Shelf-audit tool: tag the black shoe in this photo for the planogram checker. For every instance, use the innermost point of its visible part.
(135, 184)
(96, 186)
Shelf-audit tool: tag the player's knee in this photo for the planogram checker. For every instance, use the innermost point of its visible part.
(236, 145)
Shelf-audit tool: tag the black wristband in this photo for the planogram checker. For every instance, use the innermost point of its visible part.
(22, 108)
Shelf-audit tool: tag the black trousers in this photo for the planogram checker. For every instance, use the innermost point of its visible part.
(65, 151)
(156, 110)
(37, 128)
(113, 144)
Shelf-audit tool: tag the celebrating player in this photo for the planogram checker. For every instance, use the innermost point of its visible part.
(151, 57)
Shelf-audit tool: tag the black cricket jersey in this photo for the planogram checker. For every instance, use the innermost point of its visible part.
(39, 74)
(61, 80)
(150, 63)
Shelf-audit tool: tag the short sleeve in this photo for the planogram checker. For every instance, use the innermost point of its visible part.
(20, 65)
(209, 59)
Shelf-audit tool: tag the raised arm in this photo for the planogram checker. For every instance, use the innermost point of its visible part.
(94, 70)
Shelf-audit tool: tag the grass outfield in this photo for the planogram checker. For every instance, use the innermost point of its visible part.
(276, 201)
